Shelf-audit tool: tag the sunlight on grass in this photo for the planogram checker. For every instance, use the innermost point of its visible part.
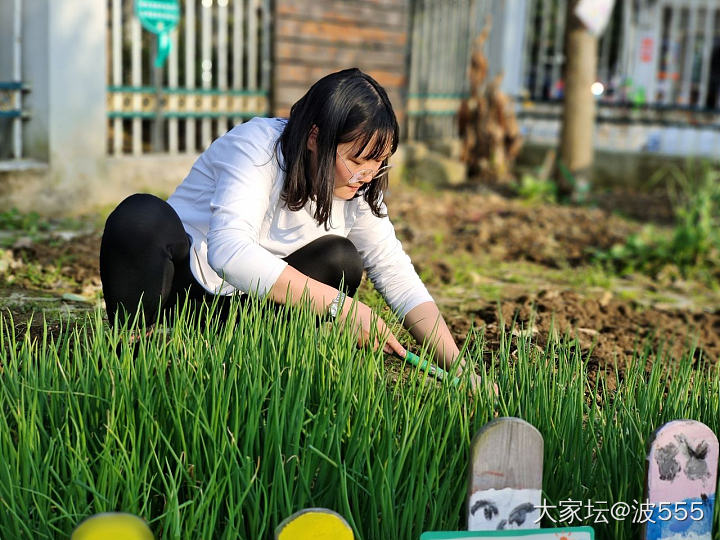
(222, 431)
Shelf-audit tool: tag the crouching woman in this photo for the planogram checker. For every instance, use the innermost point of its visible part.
(280, 207)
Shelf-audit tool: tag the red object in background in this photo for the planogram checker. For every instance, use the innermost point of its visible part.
(646, 50)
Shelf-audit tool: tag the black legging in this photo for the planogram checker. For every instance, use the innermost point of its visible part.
(145, 257)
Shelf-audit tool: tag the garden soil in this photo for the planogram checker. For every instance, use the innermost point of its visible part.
(609, 323)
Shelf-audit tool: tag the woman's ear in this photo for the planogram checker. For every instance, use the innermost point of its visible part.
(312, 139)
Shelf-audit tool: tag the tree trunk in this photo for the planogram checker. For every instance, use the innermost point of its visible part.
(578, 121)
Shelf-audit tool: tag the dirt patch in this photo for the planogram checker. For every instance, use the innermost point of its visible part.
(605, 323)
(654, 206)
(75, 261)
(49, 281)
(605, 328)
(506, 229)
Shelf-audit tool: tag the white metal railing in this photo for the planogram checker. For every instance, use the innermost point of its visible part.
(544, 53)
(441, 38)
(660, 57)
(11, 91)
(217, 74)
(675, 38)
(686, 49)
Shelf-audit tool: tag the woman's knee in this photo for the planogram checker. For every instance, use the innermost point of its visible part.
(331, 259)
(143, 257)
(139, 214)
(342, 254)
(142, 223)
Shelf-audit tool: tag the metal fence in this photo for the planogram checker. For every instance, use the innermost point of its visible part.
(678, 39)
(11, 93)
(662, 57)
(688, 70)
(217, 74)
(441, 37)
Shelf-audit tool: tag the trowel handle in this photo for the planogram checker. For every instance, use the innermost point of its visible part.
(424, 365)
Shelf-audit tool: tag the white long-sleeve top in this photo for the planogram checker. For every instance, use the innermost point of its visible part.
(230, 206)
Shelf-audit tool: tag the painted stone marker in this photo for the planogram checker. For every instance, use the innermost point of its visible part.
(314, 524)
(681, 480)
(505, 480)
(568, 533)
(115, 525)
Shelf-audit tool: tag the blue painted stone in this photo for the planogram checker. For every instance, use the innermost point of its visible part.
(677, 529)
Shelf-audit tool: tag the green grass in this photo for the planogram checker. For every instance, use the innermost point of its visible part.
(529, 273)
(30, 222)
(692, 247)
(222, 432)
(16, 224)
(535, 190)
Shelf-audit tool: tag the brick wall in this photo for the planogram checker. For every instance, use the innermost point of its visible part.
(316, 37)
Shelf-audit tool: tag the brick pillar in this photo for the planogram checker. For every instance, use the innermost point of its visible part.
(317, 37)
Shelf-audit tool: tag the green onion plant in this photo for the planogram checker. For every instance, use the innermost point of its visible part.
(222, 430)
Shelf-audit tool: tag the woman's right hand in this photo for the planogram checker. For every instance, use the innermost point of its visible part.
(362, 319)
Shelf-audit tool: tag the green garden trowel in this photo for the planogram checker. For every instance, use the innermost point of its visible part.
(424, 365)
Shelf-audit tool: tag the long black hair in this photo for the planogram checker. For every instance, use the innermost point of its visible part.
(346, 106)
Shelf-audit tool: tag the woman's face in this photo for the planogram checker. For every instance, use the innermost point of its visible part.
(347, 165)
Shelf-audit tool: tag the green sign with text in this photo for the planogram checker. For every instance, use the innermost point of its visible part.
(159, 17)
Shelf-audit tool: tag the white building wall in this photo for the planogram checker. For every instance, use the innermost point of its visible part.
(6, 32)
(77, 131)
(35, 54)
(6, 70)
(506, 45)
(64, 64)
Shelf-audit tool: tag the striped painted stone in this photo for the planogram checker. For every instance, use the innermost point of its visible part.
(505, 480)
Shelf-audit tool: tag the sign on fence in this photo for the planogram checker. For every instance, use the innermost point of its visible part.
(594, 14)
(159, 17)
